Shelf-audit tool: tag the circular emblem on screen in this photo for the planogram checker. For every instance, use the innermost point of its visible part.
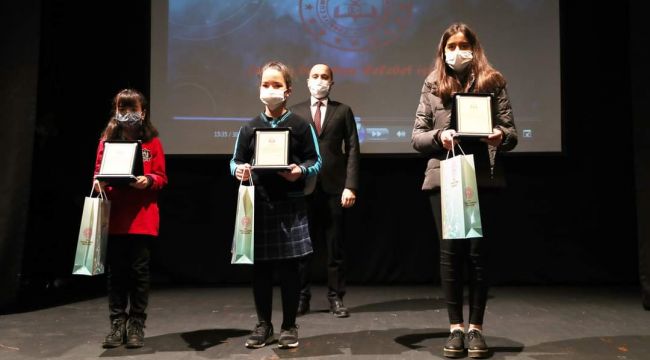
(209, 19)
(356, 25)
(146, 155)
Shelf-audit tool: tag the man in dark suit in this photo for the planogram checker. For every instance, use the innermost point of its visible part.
(335, 186)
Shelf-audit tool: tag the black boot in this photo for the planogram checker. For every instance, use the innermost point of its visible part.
(117, 336)
(338, 309)
(476, 346)
(135, 332)
(455, 346)
(303, 306)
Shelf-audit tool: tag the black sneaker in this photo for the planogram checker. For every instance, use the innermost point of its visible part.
(288, 338)
(117, 336)
(135, 333)
(476, 346)
(262, 334)
(455, 346)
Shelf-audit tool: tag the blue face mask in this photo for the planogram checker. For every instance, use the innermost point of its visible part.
(129, 119)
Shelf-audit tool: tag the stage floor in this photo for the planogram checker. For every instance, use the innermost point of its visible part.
(387, 322)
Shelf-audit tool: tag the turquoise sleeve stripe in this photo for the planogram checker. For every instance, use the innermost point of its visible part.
(233, 164)
(315, 168)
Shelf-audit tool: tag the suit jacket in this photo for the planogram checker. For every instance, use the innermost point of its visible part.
(338, 131)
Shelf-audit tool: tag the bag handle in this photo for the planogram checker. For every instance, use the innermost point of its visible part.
(101, 194)
(250, 177)
(453, 153)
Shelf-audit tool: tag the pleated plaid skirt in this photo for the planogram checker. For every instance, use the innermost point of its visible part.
(281, 229)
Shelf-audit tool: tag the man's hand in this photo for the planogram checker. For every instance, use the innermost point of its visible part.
(348, 198)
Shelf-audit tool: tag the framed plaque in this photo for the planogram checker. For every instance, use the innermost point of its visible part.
(472, 114)
(271, 149)
(121, 162)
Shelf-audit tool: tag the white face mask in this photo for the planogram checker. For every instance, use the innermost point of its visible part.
(271, 97)
(458, 59)
(319, 88)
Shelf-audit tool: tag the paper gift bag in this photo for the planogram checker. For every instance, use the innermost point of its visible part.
(461, 216)
(243, 242)
(90, 257)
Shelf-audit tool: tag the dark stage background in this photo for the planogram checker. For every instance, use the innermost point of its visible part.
(566, 218)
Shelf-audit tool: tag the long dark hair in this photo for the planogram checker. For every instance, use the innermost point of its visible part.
(129, 98)
(486, 78)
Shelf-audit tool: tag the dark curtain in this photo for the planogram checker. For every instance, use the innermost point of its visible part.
(19, 46)
(639, 33)
(77, 81)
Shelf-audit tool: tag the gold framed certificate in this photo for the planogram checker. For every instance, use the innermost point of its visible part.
(121, 162)
(271, 149)
(472, 114)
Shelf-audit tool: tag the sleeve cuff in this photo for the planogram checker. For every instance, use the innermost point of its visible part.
(150, 181)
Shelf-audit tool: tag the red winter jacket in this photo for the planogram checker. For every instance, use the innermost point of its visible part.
(135, 211)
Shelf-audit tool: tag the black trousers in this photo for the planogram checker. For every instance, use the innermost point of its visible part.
(263, 272)
(325, 227)
(128, 275)
(644, 271)
(457, 256)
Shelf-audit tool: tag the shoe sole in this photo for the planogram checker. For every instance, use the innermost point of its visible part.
(289, 346)
(113, 345)
(134, 346)
(253, 346)
(450, 353)
(339, 315)
(477, 354)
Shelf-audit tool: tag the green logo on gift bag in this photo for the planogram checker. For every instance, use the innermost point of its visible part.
(471, 208)
(246, 230)
(461, 217)
(93, 235)
(243, 240)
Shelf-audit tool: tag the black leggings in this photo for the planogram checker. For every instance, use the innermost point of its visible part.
(455, 256)
(128, 276)
(263, 289)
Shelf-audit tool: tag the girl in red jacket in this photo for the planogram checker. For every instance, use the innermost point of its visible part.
(134, 220)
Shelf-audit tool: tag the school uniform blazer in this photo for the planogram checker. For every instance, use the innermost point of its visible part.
(340, 169)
